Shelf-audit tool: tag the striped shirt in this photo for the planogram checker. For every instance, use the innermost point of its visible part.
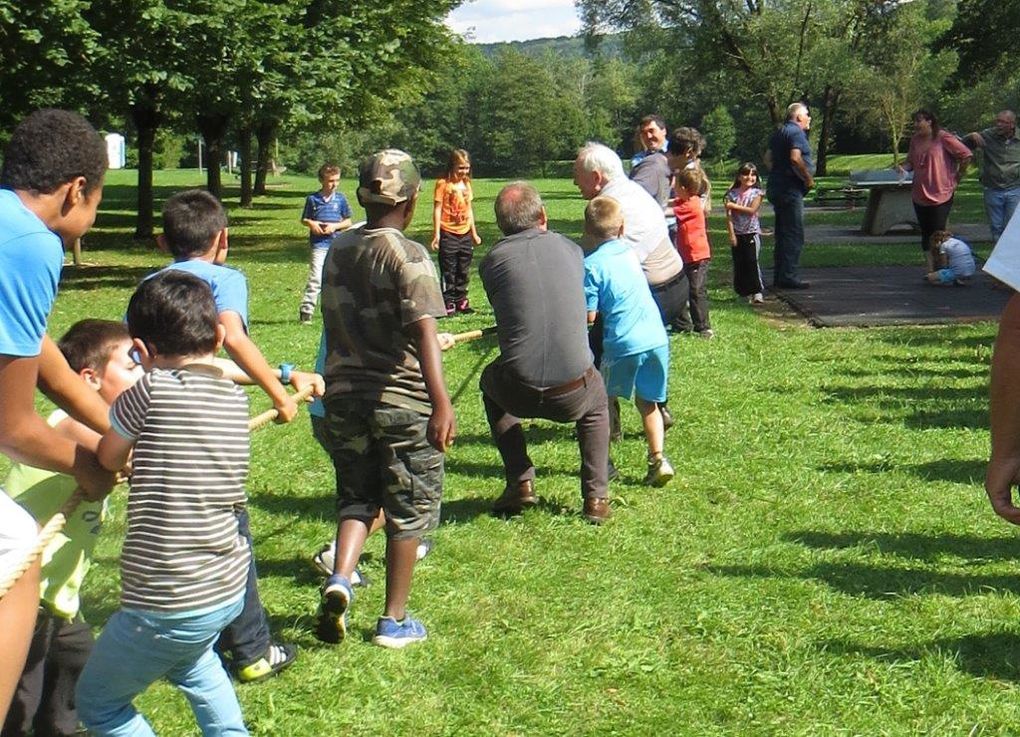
(183, 551)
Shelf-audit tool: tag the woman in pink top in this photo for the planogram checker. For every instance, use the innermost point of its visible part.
(939, 161)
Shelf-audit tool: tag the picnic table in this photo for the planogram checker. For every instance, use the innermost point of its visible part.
(889, 202)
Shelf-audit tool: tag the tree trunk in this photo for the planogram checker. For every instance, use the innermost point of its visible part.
(244, 145)
(830, 103)
(146, 118)
(265, 134)
(213, 127)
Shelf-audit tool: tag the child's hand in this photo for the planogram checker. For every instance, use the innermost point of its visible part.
(442, 429)
(285, 411)
(446, 341)
(476, 239)
(300, 380)
(434, 245)
(93, 479)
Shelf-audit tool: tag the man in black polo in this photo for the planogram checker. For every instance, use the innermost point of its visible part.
(534, 281)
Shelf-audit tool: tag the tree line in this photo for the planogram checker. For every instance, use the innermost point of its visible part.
(330, 81)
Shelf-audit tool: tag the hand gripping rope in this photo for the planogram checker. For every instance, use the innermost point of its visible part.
(56, 523)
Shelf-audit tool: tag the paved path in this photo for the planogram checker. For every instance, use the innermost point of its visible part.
(860, 296)
(975, 233)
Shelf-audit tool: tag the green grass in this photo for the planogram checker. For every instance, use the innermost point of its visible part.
(825, 562)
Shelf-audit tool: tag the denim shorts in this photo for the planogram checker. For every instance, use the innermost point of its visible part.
(642, 374)
(383, 461)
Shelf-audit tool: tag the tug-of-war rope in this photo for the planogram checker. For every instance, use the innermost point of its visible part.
(56, 523)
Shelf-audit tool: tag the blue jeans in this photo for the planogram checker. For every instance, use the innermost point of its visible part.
(247, 638)
(138, 648)
(789, 209)
(999, 206)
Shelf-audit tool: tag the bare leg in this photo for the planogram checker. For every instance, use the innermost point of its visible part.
(18, 609)
(350, 539)
(400, 560)
(651, 418)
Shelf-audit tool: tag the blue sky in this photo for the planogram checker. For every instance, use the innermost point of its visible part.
(488, 21)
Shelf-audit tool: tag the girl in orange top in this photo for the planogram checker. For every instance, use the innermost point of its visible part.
(453, 230)
(692, 242)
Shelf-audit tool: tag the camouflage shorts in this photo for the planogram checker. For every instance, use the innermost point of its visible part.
(383, 461)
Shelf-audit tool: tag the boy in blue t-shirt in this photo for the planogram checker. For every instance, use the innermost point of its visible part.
(326, 213)
(635, 359)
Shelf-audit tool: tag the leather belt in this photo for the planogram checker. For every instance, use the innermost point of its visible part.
(555, 391)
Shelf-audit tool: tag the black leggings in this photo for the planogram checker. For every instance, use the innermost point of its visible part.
(932, 218)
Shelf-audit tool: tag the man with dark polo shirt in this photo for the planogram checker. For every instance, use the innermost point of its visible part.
(1000, 169)
(534, 280)
(791, 176)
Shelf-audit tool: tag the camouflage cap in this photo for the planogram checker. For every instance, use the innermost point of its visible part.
(387, 178)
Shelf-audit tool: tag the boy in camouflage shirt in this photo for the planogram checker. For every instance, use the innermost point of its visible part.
(387, 410)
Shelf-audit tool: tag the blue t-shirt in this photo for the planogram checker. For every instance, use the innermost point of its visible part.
(615, 286)
(783, 177)
(333, 210)
(31, 256)
(229, 287)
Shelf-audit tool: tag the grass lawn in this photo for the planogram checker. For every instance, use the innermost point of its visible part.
(825, 562)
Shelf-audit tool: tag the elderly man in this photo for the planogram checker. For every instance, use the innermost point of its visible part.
(598, 171)
(534, 281)
(1000, 172)
(792, 175)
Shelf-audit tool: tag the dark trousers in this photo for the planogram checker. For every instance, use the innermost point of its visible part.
(506, 400)
(455, 254)
(697, 275)
(247, 638)
(931, 218)
(789, 210)
(44, 698)
(671, 298)
(746, 272)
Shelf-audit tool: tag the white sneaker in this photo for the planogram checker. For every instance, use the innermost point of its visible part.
(758, 299)
(326, 557)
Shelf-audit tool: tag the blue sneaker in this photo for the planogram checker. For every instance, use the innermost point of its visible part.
(337, 596)
(391, 633)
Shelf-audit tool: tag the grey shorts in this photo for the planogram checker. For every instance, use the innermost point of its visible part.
(383, 461)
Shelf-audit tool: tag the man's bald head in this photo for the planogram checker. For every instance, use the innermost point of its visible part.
(519, 207)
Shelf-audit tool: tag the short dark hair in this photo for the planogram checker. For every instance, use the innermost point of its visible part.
(686, 141)
(518, 207)
(191, 219)
(656, 118)
(328, 170)
(50, 148)
(89, 343)
(175, 313)
(928, 115)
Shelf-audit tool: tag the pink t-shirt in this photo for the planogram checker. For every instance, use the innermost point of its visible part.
(934, 162)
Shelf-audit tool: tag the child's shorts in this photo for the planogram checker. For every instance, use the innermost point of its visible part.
(642, 374)
(949, 276)
(383, 461)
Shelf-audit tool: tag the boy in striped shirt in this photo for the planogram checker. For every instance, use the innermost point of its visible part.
(184, 560)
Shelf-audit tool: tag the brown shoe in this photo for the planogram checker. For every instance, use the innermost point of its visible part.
(515, 498)
(596, 511)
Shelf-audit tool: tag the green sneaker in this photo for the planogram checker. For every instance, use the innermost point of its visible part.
(276, 659)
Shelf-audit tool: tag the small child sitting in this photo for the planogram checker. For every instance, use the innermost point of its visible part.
(954, 257)
(98, 350)
(635, 359)
(184, 562)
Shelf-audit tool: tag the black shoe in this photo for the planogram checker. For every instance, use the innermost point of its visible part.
(796, 284)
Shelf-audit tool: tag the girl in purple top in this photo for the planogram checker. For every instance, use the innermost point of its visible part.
(743, 200)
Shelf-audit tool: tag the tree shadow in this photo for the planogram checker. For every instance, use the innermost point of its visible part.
(989, 655)
(969, 472)
(88, 278)
(911, 545)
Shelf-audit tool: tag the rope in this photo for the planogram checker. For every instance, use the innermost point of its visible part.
(56, 523)
(473, 334)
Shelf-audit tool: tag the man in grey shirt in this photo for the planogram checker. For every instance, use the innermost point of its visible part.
(1000, 170)
(534, 280)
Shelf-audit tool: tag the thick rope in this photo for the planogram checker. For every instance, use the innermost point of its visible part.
(56, 523)
(473, 334)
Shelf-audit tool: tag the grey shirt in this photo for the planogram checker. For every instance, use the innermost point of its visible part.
(535, 283)
(653, 174)
(1001, 167)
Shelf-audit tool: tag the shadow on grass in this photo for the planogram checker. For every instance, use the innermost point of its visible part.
(957, 471)
(911, 545)
(89, 278)
(301, 507)
(990, 655)
(883, 582)
(917, 407)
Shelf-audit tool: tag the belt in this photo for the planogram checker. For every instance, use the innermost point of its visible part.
(555, 391)
(666, 285)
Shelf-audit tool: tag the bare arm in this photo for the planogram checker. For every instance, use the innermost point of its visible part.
(442, 428)
(298, 379)
(114, 450)
(252, 362)
(592, 314)
(437, 216)
(1004, 411)
(750, 209)
(25, 436)
(67, 389)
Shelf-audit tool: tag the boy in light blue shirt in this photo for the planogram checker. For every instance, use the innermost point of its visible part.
(635, 360)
